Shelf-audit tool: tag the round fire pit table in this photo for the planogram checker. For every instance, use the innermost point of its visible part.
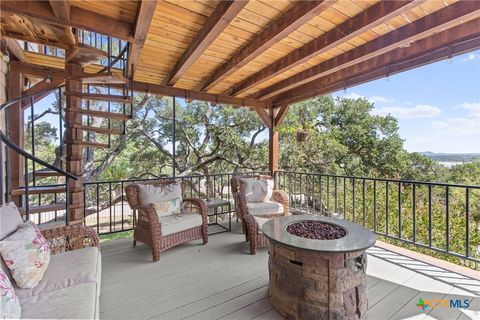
(312, 278)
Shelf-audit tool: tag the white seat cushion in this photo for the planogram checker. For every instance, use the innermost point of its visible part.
(68, 269)
(260, 222)
(264, 208)
(180, 222)
(75, 302)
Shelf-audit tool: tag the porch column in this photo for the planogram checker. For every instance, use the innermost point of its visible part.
(74, 151)
(15, 122)
(273, 144)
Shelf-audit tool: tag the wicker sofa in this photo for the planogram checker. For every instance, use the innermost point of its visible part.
(162, 233)
(254, 215)
(70, 287)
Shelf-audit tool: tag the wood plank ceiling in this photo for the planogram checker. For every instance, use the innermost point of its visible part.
(274, 50)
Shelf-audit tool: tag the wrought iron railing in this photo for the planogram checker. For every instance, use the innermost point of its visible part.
(107, 210)
(437, 216)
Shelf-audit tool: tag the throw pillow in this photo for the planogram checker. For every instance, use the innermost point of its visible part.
(148, 194)
(168, 207)
(26, 254)
(256, 190)
(9, 303)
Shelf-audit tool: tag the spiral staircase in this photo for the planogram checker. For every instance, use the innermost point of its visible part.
(109, 86)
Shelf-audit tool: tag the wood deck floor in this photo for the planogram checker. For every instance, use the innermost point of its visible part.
(222, 281)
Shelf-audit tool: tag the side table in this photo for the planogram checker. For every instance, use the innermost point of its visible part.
(218, 207)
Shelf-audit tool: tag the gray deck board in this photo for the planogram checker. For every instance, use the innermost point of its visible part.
(222, 281)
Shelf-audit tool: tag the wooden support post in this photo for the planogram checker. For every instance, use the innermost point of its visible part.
(15, 131)
(273, 144)
(74, 158)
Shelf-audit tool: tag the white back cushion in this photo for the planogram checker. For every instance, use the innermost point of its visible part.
(256, 190)
(148, 194)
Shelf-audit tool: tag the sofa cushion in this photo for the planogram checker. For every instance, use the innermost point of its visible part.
(176, 223)
(256, 190)
(168, 207)
(27, 254)
(148, 194)
(10, 220)
(260, 222)
(264, 208)
(74, 302)
(68, 269)
(9, 302)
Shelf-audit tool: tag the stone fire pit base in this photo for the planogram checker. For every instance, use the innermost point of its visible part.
(305, 284)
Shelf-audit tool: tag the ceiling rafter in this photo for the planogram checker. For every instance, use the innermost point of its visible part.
(61, 9)
(221, 17)
(457, 40)
(79, 18)
(300, 14)
(359, 24)
(439, 20)
(145, 12)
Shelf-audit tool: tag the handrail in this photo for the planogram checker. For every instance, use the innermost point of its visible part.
(14, 100)
(22, 152)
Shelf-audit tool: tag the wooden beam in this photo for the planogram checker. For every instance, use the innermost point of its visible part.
(454, 41)
(221, 17)
(79, 18)
(15, 49)
(39, 87)
(264, 115)
(38, 71)
(61, 9)
(145, 12)
(361, 23)
(282, 113)
(289, 22)
(439, 20)
(197, 95)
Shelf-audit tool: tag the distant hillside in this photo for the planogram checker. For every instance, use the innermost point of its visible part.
(452, 157)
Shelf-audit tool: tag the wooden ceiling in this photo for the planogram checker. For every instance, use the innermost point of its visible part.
(276, 51)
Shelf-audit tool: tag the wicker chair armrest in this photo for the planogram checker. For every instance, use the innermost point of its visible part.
(281, 197)
(251, 224)
(68, 238)
(149, 213)
(242, 203)
(199, 205)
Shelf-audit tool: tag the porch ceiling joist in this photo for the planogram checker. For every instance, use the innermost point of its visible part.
(15, 49)
(145, 12)
(61, 9)
(59, 74)
(359, 24)
(289, 22)
(455, 41)
(221, 17)
(442, 19)
(79, 18)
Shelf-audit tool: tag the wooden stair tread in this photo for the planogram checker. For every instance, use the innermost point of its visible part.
(38, 190)
(102, 114)
(92, 144)
(47, 173)
(100, 97)
(43, 208)
(85, 55)
(98, 129)
(103, 78)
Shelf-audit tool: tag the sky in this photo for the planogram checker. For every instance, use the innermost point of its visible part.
(437, 105)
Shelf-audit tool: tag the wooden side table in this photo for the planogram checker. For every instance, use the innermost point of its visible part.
(215, 205)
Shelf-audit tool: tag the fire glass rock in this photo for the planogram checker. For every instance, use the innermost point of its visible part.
(316, 230)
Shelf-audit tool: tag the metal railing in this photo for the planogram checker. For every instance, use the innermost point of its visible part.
(107, 209)
(438, 216)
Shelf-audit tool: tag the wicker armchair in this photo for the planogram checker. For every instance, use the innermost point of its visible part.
(252, 221)
(148, 228)
(69, 238)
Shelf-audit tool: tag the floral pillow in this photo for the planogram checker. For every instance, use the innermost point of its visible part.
(9, 303)
(168, 207)
(26, 254)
